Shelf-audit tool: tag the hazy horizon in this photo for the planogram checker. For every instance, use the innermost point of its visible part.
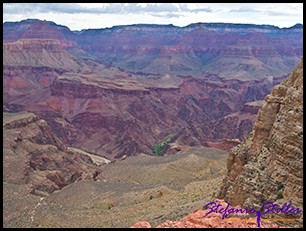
(79, 16)
(61, 24)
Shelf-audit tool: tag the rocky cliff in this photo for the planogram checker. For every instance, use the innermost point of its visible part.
(42, 160)
(268, 165)
(39, 53)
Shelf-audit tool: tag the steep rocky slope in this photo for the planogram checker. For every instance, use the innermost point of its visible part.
(42, 159)
(268, 165)
(39, 53)
(36, 163)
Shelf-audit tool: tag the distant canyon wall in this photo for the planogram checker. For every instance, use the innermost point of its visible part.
(119, 91)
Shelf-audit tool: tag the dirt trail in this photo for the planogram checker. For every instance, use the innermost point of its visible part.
(35, 208)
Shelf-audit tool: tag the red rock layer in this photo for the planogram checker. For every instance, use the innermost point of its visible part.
(200, 219)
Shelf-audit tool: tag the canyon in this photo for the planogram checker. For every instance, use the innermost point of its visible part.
(85, 110)
(118, 91)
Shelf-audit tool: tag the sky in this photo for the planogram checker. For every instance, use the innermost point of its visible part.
(78, 16)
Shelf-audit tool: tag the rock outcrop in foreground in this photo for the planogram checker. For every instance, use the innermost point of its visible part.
(200, 219)
(268, 165)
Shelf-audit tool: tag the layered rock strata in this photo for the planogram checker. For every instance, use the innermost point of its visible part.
(42, 159)
(268, 165)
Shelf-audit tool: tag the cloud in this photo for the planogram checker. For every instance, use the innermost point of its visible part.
(164, 7)
(263, 11)
(244, 9)
(167, 15)
(105, 8)
(69, 8)
(201, 10)
(277, 13)
(74, 8)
